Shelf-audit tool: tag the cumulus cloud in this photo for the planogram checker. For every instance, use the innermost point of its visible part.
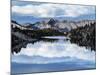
(53, 10)
(61, 51)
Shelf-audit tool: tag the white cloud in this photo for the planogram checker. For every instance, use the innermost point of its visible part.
(23, 10)
(53, 52)
(53, 10)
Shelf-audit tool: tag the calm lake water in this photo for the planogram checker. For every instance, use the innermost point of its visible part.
(54, 53)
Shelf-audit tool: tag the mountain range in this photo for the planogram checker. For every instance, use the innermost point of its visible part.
(60, 25)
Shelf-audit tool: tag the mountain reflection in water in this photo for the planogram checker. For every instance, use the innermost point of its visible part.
(52, 39)
(52, 54)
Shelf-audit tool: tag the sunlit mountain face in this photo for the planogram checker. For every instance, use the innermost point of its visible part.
(49, 37)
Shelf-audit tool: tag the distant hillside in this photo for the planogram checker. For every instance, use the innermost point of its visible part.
(84, 36)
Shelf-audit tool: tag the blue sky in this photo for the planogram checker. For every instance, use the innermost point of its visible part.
(25, 9)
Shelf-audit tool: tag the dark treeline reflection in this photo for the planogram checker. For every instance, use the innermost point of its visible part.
(16, 47)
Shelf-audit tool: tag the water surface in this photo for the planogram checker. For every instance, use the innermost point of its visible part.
(55, 53)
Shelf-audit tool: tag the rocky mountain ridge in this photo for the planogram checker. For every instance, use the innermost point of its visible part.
(62, 26)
